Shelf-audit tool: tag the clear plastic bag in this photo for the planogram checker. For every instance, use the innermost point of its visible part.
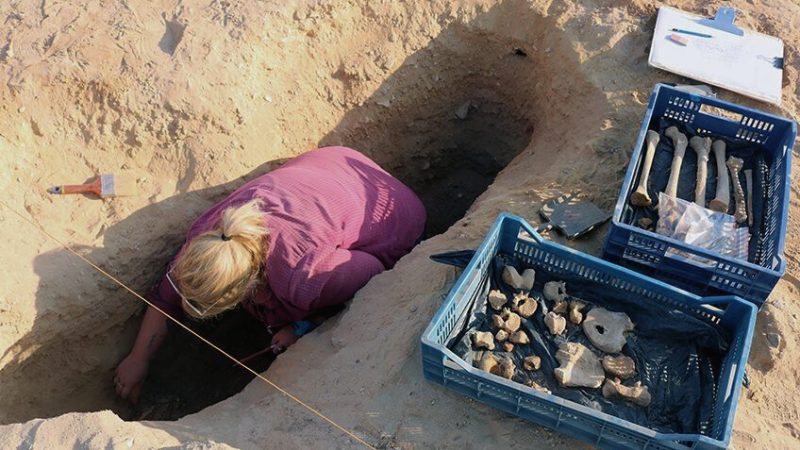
(691, 223)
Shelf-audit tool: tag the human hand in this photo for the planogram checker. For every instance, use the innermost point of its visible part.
(283, 339)
(129, 376)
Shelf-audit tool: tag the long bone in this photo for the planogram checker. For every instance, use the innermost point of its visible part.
(640, 197)
(748, 178)
(735, 165)
(720, 202)
(701, 146)
(679, 142)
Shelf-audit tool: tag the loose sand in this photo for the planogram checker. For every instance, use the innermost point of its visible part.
(193, 98)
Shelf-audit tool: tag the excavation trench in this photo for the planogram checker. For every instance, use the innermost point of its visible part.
(447, 140)
(446, 122)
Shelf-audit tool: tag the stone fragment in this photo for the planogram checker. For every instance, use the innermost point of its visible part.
(621, 366)
(532, 363)
(520, 337)
(519, 282)
(606, 329)
(637, 393)
(524, 305)
(508, 347)
(501, 335)
(575, 314)
(555, 323)
(483, 339)
(463, 110)
(579, 367)
(774, 340)
(497, 299)
(555, 291)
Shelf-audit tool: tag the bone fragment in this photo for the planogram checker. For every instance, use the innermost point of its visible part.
(524, 305)
(560, 307)
(555, 323)
(578, 366)
(575, 314)
(637, 393)
(606, 329)
(507, 368)
(555, 291)
(701, 146)
(497, 299)
(497, 321)
(535, 386)
(512, 321)
(507, 321)
(735, 165)
(523, 282)
(508, 347)
(503, 367)
(532, 363)
(645, 222)
(720, 202)
(748, 178)
(519, 337)
(679, 143)
(501, 335)
(483, 339)
(619, 366)
(640, 197)
(488, 362)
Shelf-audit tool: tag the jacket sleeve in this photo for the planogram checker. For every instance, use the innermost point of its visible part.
(344, 273)
(351, 270)
(271, 310)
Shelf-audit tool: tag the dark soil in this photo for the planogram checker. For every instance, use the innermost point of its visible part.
(186, 375)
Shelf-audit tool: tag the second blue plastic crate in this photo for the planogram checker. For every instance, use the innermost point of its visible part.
(512, 236)
(706, 272)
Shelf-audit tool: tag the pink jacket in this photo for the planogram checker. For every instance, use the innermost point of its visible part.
(335, 219)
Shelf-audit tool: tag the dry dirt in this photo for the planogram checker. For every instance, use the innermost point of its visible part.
(193, 98)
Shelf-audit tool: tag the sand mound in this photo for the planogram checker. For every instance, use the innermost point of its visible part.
(195, 99)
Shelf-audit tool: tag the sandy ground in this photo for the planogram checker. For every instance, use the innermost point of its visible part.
(193, 98)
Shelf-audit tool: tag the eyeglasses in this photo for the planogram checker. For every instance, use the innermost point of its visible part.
(190, 303)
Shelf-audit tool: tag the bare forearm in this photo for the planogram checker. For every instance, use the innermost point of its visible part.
(151, 334)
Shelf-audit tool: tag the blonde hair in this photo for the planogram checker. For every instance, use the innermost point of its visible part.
(219, 268)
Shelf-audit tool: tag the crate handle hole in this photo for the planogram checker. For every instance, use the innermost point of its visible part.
(722, 113)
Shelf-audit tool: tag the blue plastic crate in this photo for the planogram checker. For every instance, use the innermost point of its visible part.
(511, 235)
(706, 272)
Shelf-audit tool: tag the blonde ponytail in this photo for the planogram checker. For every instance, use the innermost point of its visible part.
(220, 267)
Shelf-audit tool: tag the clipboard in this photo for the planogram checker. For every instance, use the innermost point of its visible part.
(717, 52)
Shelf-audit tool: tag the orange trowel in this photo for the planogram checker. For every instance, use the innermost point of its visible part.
(104, 186)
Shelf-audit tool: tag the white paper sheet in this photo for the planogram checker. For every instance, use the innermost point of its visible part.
(751, 65)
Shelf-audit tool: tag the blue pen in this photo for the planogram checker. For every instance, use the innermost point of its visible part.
(693, 33)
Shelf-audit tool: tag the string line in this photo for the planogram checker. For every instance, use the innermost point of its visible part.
(186, 328)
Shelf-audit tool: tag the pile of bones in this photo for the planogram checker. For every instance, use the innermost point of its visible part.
(579, 367)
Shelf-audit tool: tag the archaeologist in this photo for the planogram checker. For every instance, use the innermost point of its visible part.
(286, 245)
